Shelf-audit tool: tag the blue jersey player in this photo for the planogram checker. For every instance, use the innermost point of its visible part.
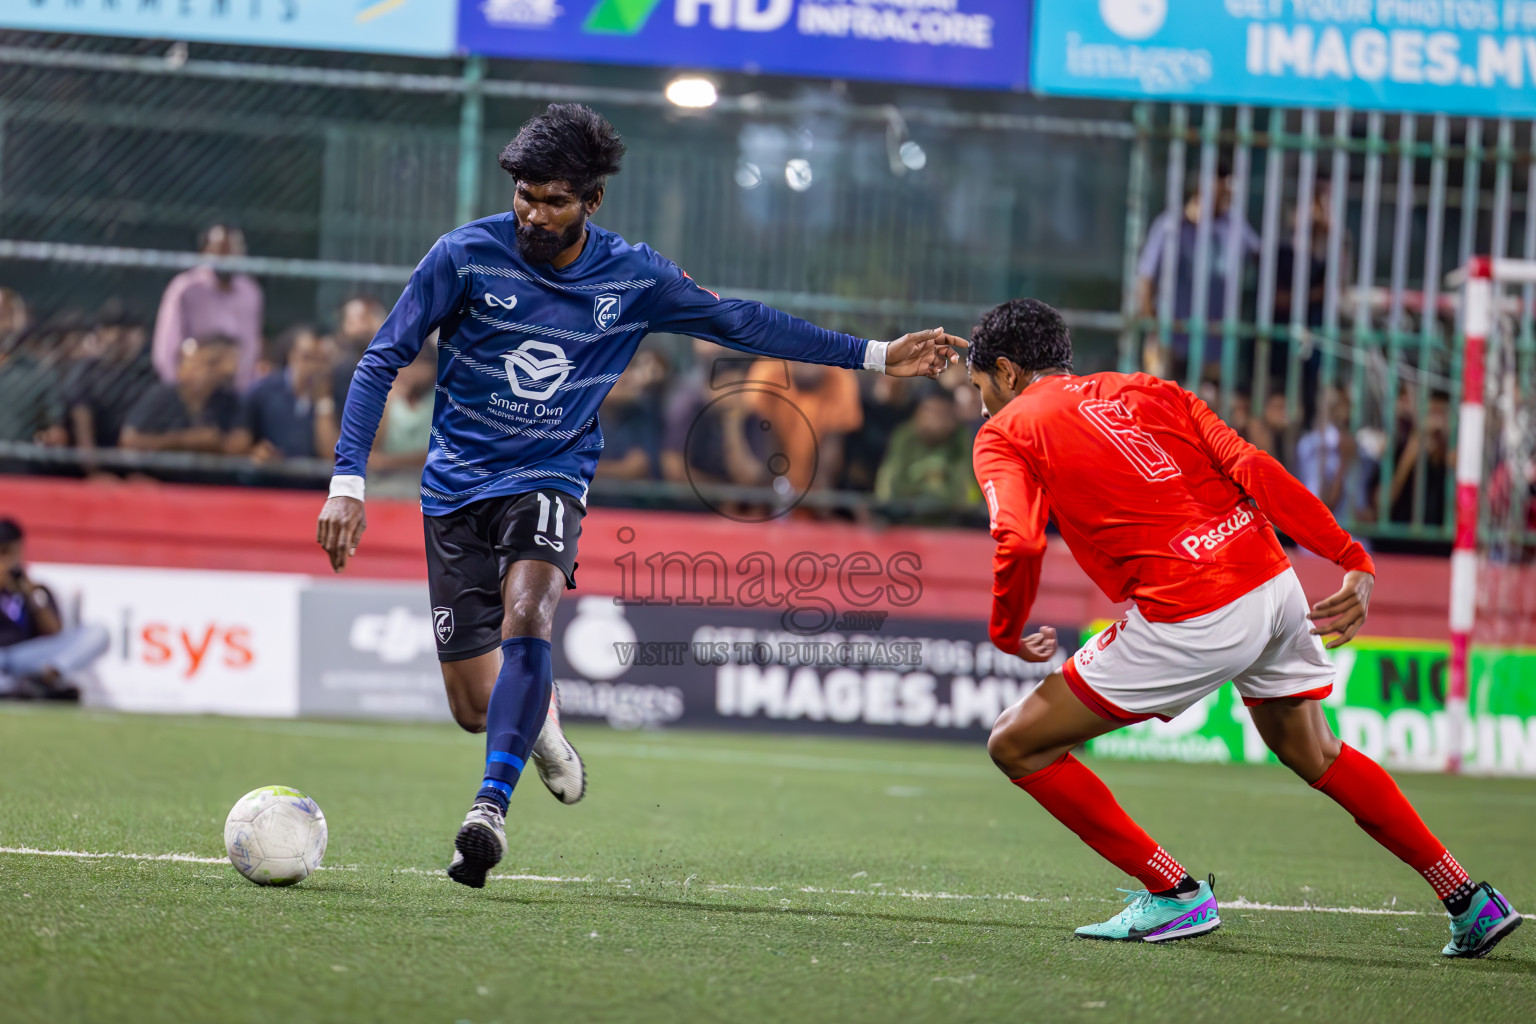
(538, 311)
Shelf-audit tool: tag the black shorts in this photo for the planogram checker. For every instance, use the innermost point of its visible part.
(470, 551)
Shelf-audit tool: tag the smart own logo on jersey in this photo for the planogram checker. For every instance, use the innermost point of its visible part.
(536, 369)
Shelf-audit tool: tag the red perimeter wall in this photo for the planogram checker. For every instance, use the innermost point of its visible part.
(116, 523)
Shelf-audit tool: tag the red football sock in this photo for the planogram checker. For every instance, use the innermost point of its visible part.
(1363, 788)
(1080, 800)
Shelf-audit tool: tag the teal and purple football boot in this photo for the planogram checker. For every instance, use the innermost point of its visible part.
(1152, 918)
(1486, 921)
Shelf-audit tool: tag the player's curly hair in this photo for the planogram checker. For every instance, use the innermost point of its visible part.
(569, 142)
(1032, 336)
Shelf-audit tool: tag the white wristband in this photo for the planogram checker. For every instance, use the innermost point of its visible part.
(344, 485)
(874, 355)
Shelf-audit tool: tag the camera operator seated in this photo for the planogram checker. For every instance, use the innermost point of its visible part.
(37, 653)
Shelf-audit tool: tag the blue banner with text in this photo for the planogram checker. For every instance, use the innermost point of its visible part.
(1451, 56)
(981, 44)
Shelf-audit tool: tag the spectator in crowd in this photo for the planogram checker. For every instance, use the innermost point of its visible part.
(811, 418)
(1328, 459)
(930, 455)
(1282, 429)
(14, 316)
(1431, 439)
(630, 418)
(1315, 273)
(198, 413)
(1316, 257)
(727, 441)
(204, 303)
(29, 386)
(358, 319)
(291, 413)
(1271, 431)
(112, 372)
(1229, 230)
(400, 446)
(688, 394)
(888, 402)
(38, 654)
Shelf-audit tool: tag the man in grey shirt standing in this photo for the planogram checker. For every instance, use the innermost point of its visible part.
(1184, 226)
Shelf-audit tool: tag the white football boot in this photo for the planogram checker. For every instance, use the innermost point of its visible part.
(558, 763)
(479, 846)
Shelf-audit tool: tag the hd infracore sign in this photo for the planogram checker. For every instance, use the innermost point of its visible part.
(967, 43)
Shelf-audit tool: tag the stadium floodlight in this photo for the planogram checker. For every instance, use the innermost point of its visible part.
(692, 92)
(748, 174)
(912, 156)
(797, 174)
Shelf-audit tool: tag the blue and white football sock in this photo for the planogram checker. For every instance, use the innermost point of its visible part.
(518, 706)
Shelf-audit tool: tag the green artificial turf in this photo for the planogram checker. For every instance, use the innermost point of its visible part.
(708, 877)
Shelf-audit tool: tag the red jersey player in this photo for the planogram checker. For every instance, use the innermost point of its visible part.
(1164, 505)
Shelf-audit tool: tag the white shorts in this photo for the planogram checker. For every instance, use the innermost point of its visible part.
(1262, 642)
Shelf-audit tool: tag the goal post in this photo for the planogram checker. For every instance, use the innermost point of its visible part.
(1477, 322)
(1493, 571)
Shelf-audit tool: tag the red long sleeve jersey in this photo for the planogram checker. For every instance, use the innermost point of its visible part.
(1153, 494)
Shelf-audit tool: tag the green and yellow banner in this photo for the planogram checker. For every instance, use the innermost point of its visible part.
(1389, 703)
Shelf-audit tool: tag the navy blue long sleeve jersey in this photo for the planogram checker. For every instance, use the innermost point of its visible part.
(527, 353)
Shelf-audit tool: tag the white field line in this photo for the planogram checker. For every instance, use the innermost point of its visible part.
(875, 890)
(185, 858)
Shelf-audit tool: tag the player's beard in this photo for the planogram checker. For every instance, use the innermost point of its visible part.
(540, 245)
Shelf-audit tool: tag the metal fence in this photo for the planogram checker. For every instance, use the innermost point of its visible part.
(922, 207)
(1341, 316)
(337, 169)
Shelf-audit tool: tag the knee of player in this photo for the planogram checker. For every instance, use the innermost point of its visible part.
(528, 616)
(469, 717)
(1008, 745)
(1310, 759)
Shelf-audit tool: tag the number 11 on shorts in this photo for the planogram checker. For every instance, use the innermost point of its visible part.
(541, 532)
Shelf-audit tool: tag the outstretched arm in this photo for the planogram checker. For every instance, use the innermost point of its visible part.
(1301, 514)
(432, 297)
(1278, 494)
(680, 306)
(1017, 507)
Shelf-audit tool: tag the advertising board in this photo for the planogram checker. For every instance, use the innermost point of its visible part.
(1388, 703)
(366, 650)
(1468, 57)
(423, 27)
(982, 44)
(189, 641)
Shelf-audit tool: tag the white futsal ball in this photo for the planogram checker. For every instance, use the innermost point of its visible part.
(275, 835)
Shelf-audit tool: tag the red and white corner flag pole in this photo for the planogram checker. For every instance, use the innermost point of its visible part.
(1478, 323)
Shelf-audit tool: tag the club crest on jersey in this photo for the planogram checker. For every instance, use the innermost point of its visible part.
(442, 624)
(536, 369)
(605, 310)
